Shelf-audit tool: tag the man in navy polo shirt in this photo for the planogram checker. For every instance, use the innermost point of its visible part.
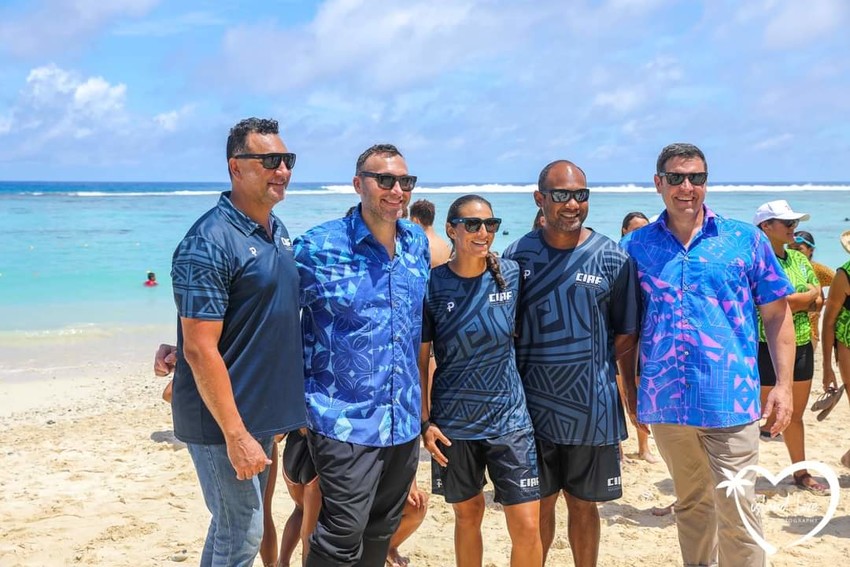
(238, 380)
(363, 280)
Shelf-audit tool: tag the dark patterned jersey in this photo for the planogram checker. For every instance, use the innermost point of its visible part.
(572, 305)
(476, 392)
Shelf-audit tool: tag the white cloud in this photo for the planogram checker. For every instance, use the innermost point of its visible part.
(170, 121)
(177, 25)
(61, 112)
(774, 142)
(375, 45)
(622, 100)
(54, 26)
(797, 23)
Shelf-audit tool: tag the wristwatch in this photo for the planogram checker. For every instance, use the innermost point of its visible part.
(423, 427)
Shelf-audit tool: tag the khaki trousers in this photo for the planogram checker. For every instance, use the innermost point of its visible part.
(709, 524)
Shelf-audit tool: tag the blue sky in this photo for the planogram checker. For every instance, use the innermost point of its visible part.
(470, 90)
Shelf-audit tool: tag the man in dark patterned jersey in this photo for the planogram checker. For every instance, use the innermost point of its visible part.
(578, 307)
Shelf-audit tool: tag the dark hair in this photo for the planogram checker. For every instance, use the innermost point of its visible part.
(627, 220)
(544, 173)
(388, 150)
(236, 141)
(492, 260)
(679, 149)
(807, 235)
(538, 220)
(424, 211)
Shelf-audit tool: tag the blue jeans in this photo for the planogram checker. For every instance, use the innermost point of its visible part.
(236, 527)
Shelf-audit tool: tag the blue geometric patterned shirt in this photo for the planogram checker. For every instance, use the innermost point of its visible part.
(699, 341)
(361, 324)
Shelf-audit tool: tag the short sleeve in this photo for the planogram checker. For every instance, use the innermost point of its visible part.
(304, 257)
(200, 275)
(625, 300)
(767, 279)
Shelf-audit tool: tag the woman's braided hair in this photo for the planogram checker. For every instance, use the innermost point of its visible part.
(492, 259)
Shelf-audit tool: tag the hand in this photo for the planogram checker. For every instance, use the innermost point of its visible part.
(780, 404)
(247, 456)
(429, 440)
(164, 360)
(416, 497)
(829, 380)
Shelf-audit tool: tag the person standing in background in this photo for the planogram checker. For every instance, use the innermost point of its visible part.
(777, 220)
(422, 212)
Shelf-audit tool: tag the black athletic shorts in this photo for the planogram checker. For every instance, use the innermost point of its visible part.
(298, 467)
(804, 364)
(510, 460)
(587, 472)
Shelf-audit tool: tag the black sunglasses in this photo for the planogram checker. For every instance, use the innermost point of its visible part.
(387, 180)
(679, 178)
(789, 223)
(271, 161)
(564, 195)
(472, 224)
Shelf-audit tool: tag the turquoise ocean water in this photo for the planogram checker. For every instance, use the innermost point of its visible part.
(73, 256)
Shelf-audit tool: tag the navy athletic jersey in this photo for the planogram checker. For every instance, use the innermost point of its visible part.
(476, 392)
(572, 305)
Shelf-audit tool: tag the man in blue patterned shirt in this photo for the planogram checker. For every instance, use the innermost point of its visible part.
(363, 280)
(238, 379)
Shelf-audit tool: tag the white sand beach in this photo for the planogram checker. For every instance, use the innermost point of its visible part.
(91, 475)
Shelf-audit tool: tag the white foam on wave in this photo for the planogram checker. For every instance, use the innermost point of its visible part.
(341, 189)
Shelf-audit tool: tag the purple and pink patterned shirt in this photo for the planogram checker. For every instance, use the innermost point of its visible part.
(699, 336)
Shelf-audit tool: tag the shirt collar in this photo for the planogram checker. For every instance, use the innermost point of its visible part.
(240, 220)
(709, 222)
(361, 231)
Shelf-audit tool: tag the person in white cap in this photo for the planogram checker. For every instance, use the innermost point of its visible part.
(778, 221)
(836, 329)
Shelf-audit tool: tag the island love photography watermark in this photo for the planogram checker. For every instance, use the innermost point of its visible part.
(792, 507)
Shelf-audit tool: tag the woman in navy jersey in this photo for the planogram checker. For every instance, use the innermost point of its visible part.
(474, 412)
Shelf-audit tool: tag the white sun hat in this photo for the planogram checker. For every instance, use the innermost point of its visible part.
(845, 240)
(777, 210)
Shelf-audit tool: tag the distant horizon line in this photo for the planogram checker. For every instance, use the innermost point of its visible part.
(421, 181)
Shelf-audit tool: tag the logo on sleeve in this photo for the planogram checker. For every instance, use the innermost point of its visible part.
(449, 306)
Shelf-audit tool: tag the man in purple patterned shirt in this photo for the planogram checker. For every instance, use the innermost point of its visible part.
(702, 277)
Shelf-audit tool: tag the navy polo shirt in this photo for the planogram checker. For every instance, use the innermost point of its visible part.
(228, 269)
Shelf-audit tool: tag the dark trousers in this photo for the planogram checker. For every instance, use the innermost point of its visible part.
(363, 494)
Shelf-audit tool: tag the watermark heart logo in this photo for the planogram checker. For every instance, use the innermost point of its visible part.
(736, 484)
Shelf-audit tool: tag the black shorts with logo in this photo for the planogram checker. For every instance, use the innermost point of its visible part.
(298, 467)
(587, 472)
(510, 460)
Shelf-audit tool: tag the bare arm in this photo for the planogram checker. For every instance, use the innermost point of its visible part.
(779, 331)
(432, 434)
(838, 292)
(626, 351)
(200, 347)
(809, 300)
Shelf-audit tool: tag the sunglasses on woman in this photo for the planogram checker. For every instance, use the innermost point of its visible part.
(472, 224)
(271, 161)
